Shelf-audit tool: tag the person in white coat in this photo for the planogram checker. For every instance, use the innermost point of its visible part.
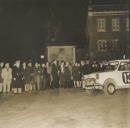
(7, 78)
(1, 80)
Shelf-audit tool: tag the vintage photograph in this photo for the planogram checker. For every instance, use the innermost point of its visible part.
(64, 64)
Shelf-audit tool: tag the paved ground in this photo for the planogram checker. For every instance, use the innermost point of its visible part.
(66, 108)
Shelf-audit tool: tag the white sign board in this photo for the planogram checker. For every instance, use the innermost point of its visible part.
(65, 53)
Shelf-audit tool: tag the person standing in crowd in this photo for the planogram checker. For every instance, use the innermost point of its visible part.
(103, 66)
(61, 75)
(54, 73)
(24, 74)
(30, 78)
(48, 81)
(77, 75)
(17, 78)
(88, 67)
(74, 71)
(98, 66)
(7, 78)
(84, 68)
(1, 79)
(67, 75)
(37, 76)
(44, 76)
(94, 66)
(78, 79)
(71, 81)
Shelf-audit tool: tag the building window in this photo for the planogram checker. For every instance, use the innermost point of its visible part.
(101, 25)
(115, 24)
(102, 45)
(106, 46)
(127, 24)
(114, 44)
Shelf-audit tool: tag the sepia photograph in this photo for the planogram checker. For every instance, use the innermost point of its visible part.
(64, 64)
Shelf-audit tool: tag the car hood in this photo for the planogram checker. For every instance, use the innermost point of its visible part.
(93, 75)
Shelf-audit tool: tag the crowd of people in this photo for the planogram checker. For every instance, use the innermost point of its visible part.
(24, 76)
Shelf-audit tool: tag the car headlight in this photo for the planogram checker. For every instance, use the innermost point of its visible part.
(90, 81)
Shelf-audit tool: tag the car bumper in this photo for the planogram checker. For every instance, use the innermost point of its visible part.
(94, 86)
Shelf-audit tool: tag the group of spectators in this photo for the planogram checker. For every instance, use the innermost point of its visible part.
(24, 76)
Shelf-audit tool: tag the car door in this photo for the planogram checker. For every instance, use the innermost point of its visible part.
(124, 74)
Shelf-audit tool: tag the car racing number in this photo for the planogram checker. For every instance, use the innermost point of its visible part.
(126, 77)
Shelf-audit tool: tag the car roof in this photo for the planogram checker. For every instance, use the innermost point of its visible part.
(124, 60)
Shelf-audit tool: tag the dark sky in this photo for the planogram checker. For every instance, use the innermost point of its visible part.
(27, 26)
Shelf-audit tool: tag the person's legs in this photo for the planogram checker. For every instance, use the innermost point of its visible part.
(8, 85)
(1, 85)
(30, 87)
(77, 84)
(26, 87)
(23, 86)
(15, 90)
(19, 90)
(48, 81)
(70, 84)
(34, 85)
(65, 84)
(4, 86)
(80, 82)
(44, 83)
(38, 83)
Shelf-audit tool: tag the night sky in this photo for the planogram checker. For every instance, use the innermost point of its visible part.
(27, 26)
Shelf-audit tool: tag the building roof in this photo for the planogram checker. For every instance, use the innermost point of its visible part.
(108, 7)
(101, 10)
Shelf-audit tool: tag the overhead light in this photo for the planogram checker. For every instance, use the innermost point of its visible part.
(42, 56)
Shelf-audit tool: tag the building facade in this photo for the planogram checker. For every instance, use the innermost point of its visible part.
(108, 31)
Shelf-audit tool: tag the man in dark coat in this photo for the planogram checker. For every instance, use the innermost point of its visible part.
(17, 78)
(67, 75)
(1, 79)
(24, 74)
(44, 76)
(30, 82)
(84, 68)
(54, 73)
(48, 78)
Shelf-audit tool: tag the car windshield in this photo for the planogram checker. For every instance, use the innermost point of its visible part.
(111, 66)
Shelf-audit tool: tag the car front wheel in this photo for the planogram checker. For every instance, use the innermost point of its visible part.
(109, 89)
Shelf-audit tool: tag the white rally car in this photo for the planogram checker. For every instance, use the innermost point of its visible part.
(116, 76)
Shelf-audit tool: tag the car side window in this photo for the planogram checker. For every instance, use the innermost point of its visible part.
(124, 66)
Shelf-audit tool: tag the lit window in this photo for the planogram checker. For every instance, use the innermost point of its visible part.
(127, 24)
(102, 45)
(115, 24)
(101, 25)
